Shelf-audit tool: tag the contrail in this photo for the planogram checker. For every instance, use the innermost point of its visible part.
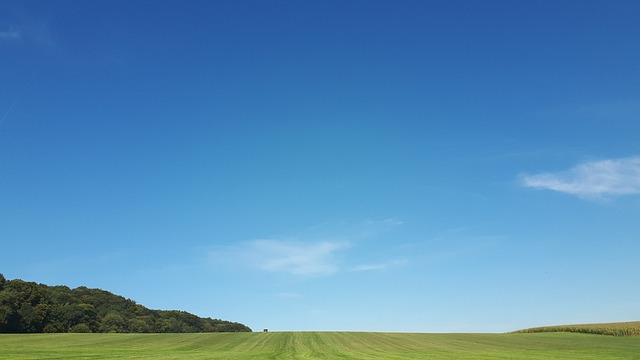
(6, 113)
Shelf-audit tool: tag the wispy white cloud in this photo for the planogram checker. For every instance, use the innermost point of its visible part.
(30, 31)
(592, 179)
(372, 228)
(10, 35)
(317, 253)
(295, 257)
(608, 111)
(378, 266)
(386, 223)
(369, 267)
(354, 231)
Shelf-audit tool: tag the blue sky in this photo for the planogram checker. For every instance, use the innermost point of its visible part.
(429, 166)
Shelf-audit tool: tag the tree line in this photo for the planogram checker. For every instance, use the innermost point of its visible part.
(28, 307)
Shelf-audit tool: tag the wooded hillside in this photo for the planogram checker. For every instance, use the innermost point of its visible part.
(28, 307)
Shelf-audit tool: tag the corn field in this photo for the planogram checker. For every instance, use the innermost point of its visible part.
(631, 328)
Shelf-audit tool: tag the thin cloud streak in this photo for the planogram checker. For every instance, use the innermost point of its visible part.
(379, 266)
(35, 32)
(10, 35)
(593, 179)
(316, 254)
(296, 257)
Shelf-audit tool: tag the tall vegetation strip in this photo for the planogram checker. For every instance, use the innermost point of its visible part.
(28, 307)
(630, 328)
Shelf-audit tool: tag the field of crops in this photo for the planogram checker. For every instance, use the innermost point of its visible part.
(317, 345)
(630, 328)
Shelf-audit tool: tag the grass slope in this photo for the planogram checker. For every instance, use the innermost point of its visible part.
(630, 328)
(317, 345)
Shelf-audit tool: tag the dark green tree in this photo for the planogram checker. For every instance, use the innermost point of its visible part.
(31, 308)
(113, 322)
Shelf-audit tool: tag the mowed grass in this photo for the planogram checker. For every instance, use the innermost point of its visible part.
(318, 345)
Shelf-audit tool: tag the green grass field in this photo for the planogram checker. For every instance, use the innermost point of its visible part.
(318, 345)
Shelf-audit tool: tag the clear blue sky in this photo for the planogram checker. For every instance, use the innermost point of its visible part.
(431, 166)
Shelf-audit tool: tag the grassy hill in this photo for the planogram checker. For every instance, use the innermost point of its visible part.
(629, 328)
(318, 345)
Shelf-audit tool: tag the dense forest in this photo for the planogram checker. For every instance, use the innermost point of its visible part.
(28, 307)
